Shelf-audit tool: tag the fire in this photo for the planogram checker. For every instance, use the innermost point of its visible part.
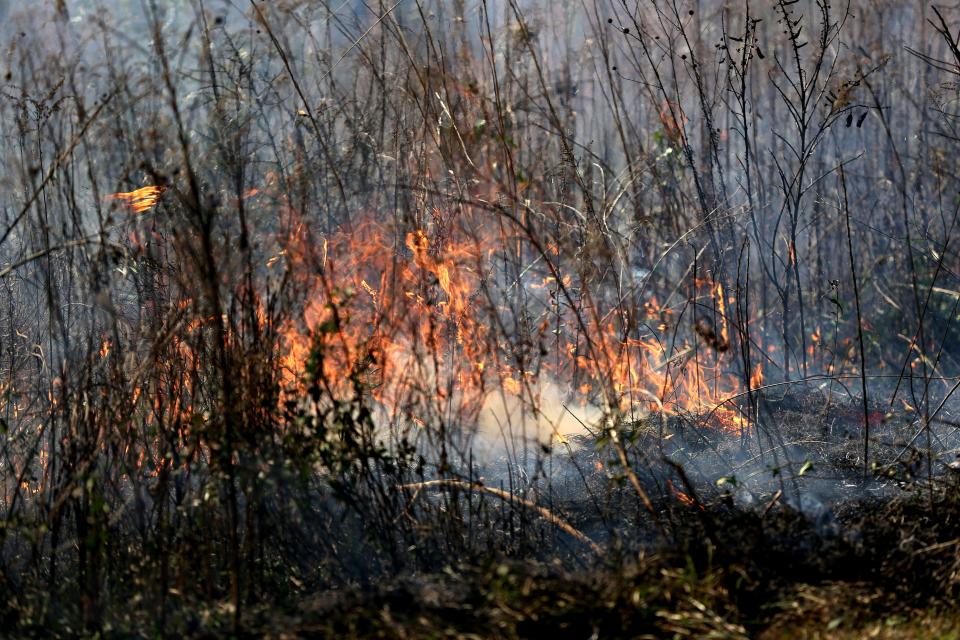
(682, 497)
(414, 319)
(511, 385)
(756, 378)
(140, 200)
(722, 311)
(394, 323)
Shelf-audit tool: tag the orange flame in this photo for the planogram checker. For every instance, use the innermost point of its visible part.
(682, 497)
(399, 320)
(141, 200)
(722, 310)
(756, 378)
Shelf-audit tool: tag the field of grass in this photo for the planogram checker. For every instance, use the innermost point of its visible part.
(479, 318)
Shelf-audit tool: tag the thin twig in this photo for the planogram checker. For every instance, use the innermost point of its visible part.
(506, 496)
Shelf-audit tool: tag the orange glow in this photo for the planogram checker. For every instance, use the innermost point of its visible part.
(141, 200)
(722, 310)
(756, 378)
(681, 496)
(392, 324)
(412, 323)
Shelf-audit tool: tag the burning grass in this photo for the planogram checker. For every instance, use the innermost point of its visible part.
(491, 318)
(139, 200)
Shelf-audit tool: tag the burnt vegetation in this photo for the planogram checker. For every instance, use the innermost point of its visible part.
(479, 318)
